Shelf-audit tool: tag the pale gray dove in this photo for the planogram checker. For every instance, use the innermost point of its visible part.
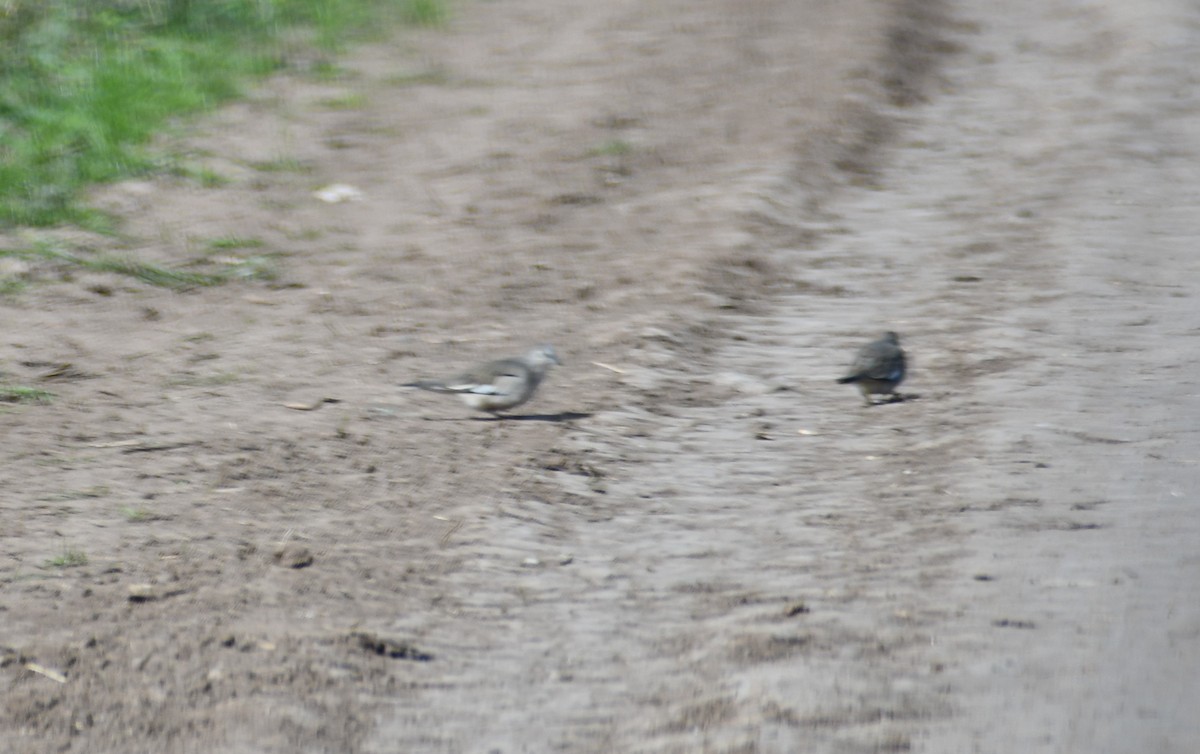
(497, 385)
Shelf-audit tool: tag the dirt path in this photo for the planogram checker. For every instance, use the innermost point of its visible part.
(1061, 175)
(728, 553)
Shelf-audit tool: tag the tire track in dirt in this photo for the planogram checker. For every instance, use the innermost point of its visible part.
(1073, 119)
(679, 598)
(783, 571)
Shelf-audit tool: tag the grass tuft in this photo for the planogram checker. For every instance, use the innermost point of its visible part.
(229, 243)
(69, 558)
(425, 12)
(24, 394)
(206, 177)
(153, 274)
(139, 515)
(11, 286)
(227, 268)
(84, 84)
(354, 101)
(281, 165)
(613, 148)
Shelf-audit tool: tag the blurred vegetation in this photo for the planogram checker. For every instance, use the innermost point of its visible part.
(207, 270)
(85, 83)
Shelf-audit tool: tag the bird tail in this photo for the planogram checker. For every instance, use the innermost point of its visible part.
(433, 385)
(851, 378)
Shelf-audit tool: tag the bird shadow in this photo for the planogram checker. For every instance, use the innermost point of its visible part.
(898, 398)
(565, 416)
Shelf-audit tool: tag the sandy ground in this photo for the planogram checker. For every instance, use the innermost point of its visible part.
(692, 540)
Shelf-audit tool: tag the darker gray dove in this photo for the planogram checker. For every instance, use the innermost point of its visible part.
(878, 368)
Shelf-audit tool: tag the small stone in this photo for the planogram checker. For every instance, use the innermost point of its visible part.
(293, 555)
(142, 593)
(337, 193)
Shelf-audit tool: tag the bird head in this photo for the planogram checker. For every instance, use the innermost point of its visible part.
(543, 355)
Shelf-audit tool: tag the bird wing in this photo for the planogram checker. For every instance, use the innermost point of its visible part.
(881, 361)
(503, 377)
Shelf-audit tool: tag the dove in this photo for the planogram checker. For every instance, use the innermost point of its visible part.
(499, 385)
(878, 368)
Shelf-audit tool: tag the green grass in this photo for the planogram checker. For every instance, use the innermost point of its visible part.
(69, 558)
(281, 165)
(12, 286)
(613, 148)
(24, 394)
(153, 274)
(206, 177)
(85, 84)
(229, 243)
(257, 267)
(136, 515)
(352, 101)
(139, 515)
(424, 12)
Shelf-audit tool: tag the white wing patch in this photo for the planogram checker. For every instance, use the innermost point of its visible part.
(474, 388)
